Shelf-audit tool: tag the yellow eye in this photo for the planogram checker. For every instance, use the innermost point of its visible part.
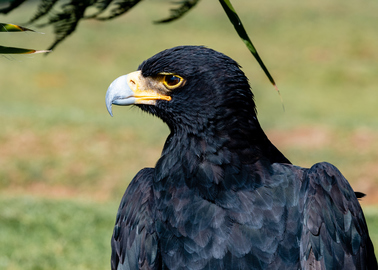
(172, 81)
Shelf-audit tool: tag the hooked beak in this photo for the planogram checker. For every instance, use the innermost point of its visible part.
(131, 89)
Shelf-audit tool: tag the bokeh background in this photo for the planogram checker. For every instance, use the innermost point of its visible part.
(65, 163)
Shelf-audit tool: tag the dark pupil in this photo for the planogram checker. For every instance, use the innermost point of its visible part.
(172, 80)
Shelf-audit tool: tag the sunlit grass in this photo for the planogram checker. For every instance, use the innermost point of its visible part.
(54, 234)
(65, 234)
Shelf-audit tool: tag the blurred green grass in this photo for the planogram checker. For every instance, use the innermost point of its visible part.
(49, 234)
(57, 140)
(54, 234)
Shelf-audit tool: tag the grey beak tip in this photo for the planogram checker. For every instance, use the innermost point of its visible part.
(109, 108)
(119, 93)
(109, 101)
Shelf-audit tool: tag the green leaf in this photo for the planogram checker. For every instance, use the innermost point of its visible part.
(44, 7)
(12, 50)
(12, 5)
(234, 18)
(8, 27)
(177, 13)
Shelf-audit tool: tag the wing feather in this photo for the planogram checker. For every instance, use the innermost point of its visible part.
(134, 241)
(334, 234)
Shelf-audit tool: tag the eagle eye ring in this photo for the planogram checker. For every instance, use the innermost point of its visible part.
(172, 81)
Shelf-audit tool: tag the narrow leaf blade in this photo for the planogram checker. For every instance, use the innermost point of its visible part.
(9, 27)
(13, 50)
(235, 20)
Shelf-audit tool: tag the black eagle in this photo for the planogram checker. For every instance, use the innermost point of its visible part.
(222, 196)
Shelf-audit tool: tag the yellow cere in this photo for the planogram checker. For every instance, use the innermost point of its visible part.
(144, 90)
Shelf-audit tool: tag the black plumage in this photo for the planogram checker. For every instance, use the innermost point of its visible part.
(222, 196)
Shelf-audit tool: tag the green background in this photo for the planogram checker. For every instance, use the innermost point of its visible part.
(65, 163)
